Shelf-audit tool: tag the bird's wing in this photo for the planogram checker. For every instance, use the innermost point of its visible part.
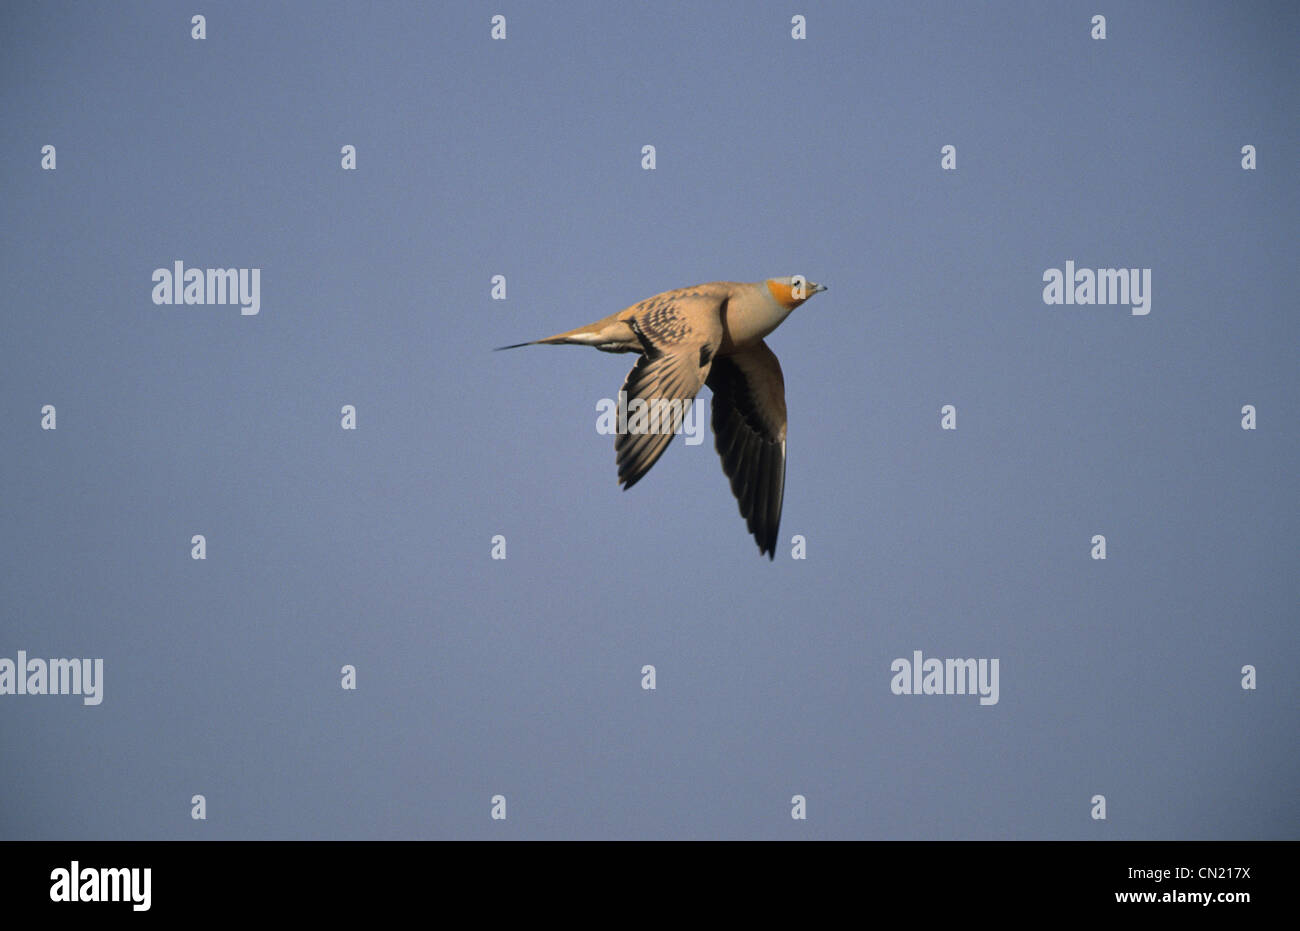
(679, 333)
(749, 434)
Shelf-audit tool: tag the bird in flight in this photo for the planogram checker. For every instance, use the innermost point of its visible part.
(711, 334)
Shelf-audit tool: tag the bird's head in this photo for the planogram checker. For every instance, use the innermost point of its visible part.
(793, 290)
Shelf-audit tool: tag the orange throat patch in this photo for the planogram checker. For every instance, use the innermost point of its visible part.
(784, 294)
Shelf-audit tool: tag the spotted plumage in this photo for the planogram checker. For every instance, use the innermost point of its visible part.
(708, 334)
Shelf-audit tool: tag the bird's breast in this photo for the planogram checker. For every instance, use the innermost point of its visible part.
(749, 316)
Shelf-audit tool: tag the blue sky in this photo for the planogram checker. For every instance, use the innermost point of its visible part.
(522, 676)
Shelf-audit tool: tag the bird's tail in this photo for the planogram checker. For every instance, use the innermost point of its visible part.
(582, 336)
(550, 340)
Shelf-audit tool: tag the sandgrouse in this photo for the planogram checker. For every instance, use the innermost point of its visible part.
(711, 334)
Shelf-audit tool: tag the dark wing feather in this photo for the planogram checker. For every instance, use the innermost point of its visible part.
(749, 423)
